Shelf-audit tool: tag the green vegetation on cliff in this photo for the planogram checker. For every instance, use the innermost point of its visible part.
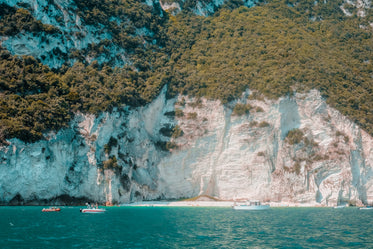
(35, 99)
(277, 49)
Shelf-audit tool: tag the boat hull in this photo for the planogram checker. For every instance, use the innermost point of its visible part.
(245, 207)
(51, 209)
(93, 210)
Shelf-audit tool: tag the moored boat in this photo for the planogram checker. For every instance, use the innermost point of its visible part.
(51, 209)
(92, 209)
(340, 206)
(250, 205)
(366, 208)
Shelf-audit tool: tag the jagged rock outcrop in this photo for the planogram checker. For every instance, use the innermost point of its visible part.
(361, 7)
(54, 49)
(202, 8)
(185, 147)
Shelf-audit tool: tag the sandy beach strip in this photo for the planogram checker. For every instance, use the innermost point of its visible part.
(181, 204)
(210, 204)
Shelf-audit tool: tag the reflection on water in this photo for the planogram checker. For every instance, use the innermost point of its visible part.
(191, 227)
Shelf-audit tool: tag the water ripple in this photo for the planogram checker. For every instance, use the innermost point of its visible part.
(165, 227)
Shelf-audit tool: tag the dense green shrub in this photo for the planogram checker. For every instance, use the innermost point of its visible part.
(297, 167)
(241, 109)
(179, 113)
(263, 124)
(294, 136)
(112, 163)
(14, 21)
(261, 153)
(177, 131)
(192, 115)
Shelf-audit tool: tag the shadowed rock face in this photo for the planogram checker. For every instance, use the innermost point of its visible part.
(73, 34)
(126, 156)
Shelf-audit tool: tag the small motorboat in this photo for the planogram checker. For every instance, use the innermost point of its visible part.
(340, 206)
(92, 209)
(51, 209)
(250, 205)
(366, 207)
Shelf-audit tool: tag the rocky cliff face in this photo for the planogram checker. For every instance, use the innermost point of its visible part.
(54, 49)
(184, 147)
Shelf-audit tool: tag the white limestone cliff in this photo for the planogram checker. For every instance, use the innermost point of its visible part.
(218, 154)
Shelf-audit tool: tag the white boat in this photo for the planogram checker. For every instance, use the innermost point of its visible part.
(250, 205)
(366, 207)
(340, 206)
(93, 210)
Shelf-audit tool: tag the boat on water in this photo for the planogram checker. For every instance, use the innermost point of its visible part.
(366, 208)
(340, 206)
(92, 209)
(250, 205)
(51, 209)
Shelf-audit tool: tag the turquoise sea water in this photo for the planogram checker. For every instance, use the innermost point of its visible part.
(186, 227)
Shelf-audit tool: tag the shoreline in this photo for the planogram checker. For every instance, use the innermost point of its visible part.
(191, 203)
(211, 204)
